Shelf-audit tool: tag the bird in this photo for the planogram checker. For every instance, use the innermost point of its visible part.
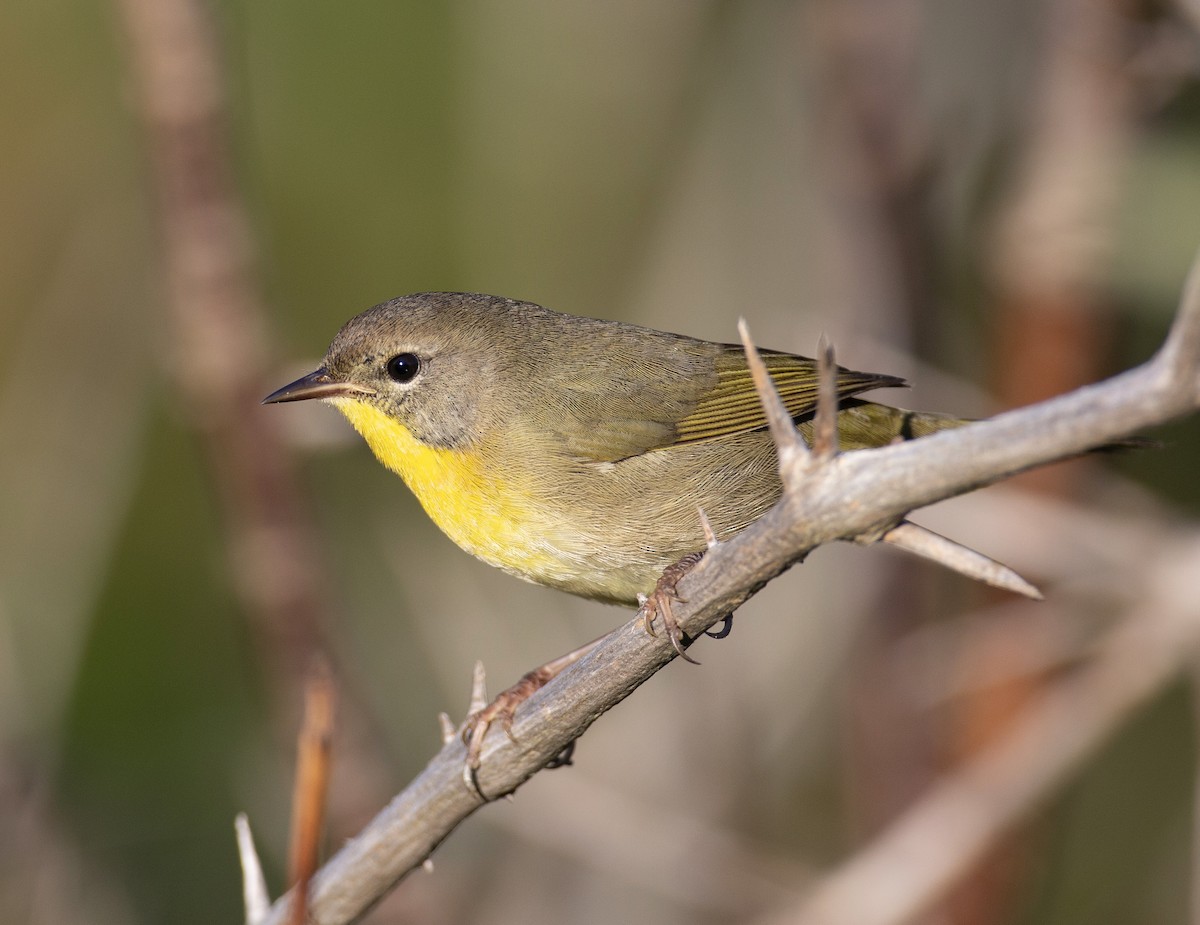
(581, 454)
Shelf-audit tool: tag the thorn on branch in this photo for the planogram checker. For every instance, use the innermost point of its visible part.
(788, 442)
(1181, 352)
(956, 557)
(825, 427)
(254, 884)
(479, 697)
(446, 724)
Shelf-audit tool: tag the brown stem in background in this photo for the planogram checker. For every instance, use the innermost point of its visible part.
(314, 751)
(876, 140)
(220, 340)
(1050, 335)
(220, 345)
(1055, 233)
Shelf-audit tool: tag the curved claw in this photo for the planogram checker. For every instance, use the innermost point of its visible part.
(678, 641)
(503, 708)
(564, 758)
(725, 630)
(659, 604)
(473, 738)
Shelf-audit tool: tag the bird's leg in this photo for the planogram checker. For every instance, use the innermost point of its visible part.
(504, 707)
(659, 603)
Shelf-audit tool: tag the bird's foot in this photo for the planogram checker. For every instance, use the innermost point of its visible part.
(504, 708)
(658, 604)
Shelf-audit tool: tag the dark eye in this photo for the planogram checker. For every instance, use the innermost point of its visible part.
(403, 367)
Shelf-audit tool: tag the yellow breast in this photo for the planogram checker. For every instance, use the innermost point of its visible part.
(487, 517)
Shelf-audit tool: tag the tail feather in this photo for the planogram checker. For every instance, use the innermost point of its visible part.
(864, 424)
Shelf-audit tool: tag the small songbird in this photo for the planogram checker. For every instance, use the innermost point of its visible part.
(569, 451)
(573, 452)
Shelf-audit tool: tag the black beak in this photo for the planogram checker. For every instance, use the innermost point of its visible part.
(317, 384)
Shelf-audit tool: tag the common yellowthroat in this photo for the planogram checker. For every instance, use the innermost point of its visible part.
(573, 452)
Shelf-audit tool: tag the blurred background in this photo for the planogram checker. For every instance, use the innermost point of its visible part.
(999, 201)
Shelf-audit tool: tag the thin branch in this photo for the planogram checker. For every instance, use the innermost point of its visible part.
(850, 495)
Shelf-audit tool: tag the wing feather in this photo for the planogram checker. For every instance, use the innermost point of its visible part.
(697, 391)
(732, 407)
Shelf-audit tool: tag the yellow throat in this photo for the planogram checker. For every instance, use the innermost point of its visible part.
(484, 518)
